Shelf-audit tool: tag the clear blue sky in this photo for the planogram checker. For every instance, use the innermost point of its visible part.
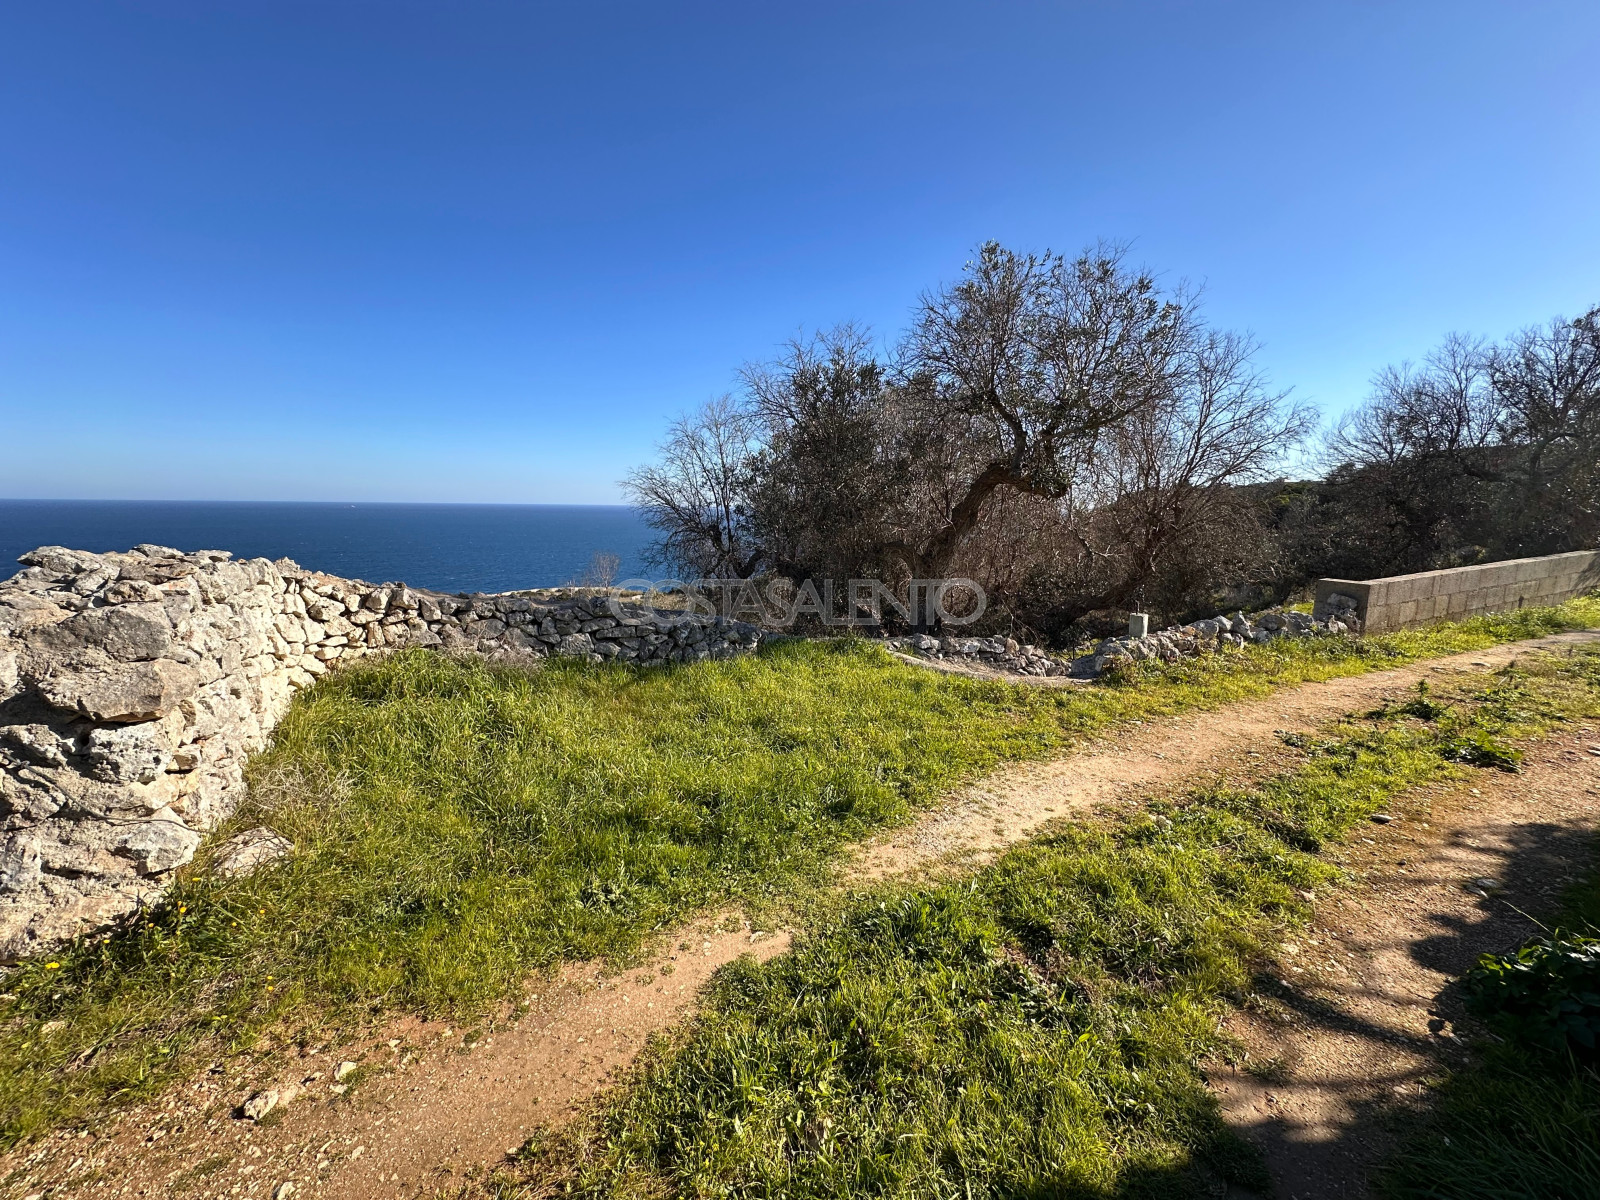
(484, 251)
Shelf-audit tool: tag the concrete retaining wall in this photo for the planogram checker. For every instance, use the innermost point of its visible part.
(1405, 601)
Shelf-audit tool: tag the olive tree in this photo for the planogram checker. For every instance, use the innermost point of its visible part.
(1032, 359)
(1038, 398)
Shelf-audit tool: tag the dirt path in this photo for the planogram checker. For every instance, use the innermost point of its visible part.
(426, 1104)
(429, 1104)
(1127, 765)
(1364, 1011)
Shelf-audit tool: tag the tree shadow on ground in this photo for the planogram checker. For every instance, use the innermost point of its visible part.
(1533, 863)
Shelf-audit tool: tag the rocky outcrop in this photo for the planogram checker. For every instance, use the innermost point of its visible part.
(133, 686)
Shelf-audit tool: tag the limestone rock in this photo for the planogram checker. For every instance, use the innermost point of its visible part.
(248, 851)
(59, 561)
(36, 743)
(139, 691)
(19, 863)
(260, 1104)
(22, 610)
(158, 845)
(126, 632)
(575, 645)
(128, 753)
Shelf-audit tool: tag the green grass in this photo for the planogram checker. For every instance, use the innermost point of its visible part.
(1514, 1127)
(460, 826)
(1036, 1030)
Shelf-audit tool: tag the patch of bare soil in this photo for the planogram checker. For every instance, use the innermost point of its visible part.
(1363, 1014)
(428, 1103)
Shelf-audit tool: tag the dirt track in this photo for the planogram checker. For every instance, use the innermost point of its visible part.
(430, 1110)
(1127, 765)
(1365, 1013)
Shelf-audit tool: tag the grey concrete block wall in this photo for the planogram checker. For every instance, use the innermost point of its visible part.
(1404, 601)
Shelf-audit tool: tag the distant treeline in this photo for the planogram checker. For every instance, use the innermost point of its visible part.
(1081, 441)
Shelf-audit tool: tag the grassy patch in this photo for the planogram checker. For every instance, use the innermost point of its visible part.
(459, 826)
(1033, 1031)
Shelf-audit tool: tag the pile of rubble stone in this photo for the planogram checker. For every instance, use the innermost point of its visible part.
(996, 653)
(1168, 645)
(1336, 606)
(1187, 641)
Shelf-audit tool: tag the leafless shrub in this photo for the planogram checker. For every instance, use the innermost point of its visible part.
(601, 571)
(697, 495)
(1483, 452)
(1546, 382)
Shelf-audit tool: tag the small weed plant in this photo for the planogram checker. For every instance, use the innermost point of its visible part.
(1546, 994)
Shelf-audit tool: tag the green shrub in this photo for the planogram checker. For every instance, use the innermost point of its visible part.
(1478, 748)
(1546, 994)
(1424, 707)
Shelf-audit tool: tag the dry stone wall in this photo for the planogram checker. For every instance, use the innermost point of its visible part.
(133, 686)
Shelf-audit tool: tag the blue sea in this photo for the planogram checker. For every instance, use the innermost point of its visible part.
(447, 547)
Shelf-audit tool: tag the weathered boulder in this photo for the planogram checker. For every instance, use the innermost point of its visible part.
(159, 844)
(126, 632)
(248, 851)
(128, 753)
(575, 645)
